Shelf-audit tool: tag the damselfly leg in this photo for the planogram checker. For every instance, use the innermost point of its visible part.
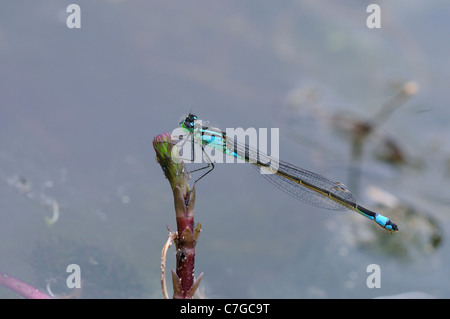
(209, 164)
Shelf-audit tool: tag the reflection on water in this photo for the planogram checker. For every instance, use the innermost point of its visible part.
(420, 233)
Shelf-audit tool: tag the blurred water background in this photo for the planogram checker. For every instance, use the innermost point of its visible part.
(80, 107)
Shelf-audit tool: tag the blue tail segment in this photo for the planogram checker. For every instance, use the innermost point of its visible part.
(379, 219)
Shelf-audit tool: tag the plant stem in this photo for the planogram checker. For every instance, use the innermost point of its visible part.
(22, 288)
(184, 284)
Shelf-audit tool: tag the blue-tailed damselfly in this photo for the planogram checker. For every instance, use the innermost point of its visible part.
(309, 187)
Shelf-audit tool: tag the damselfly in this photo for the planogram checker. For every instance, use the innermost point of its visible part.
(309, 187)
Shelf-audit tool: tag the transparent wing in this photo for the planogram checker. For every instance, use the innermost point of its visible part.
(322, 186)
(309, 187)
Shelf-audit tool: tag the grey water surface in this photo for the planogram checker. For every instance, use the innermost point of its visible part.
(80, 107)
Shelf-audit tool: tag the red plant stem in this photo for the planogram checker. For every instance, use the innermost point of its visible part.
(184, 284)
(22, 288)
(185, 256)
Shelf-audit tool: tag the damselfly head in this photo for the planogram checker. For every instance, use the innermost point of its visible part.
(189, 121)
